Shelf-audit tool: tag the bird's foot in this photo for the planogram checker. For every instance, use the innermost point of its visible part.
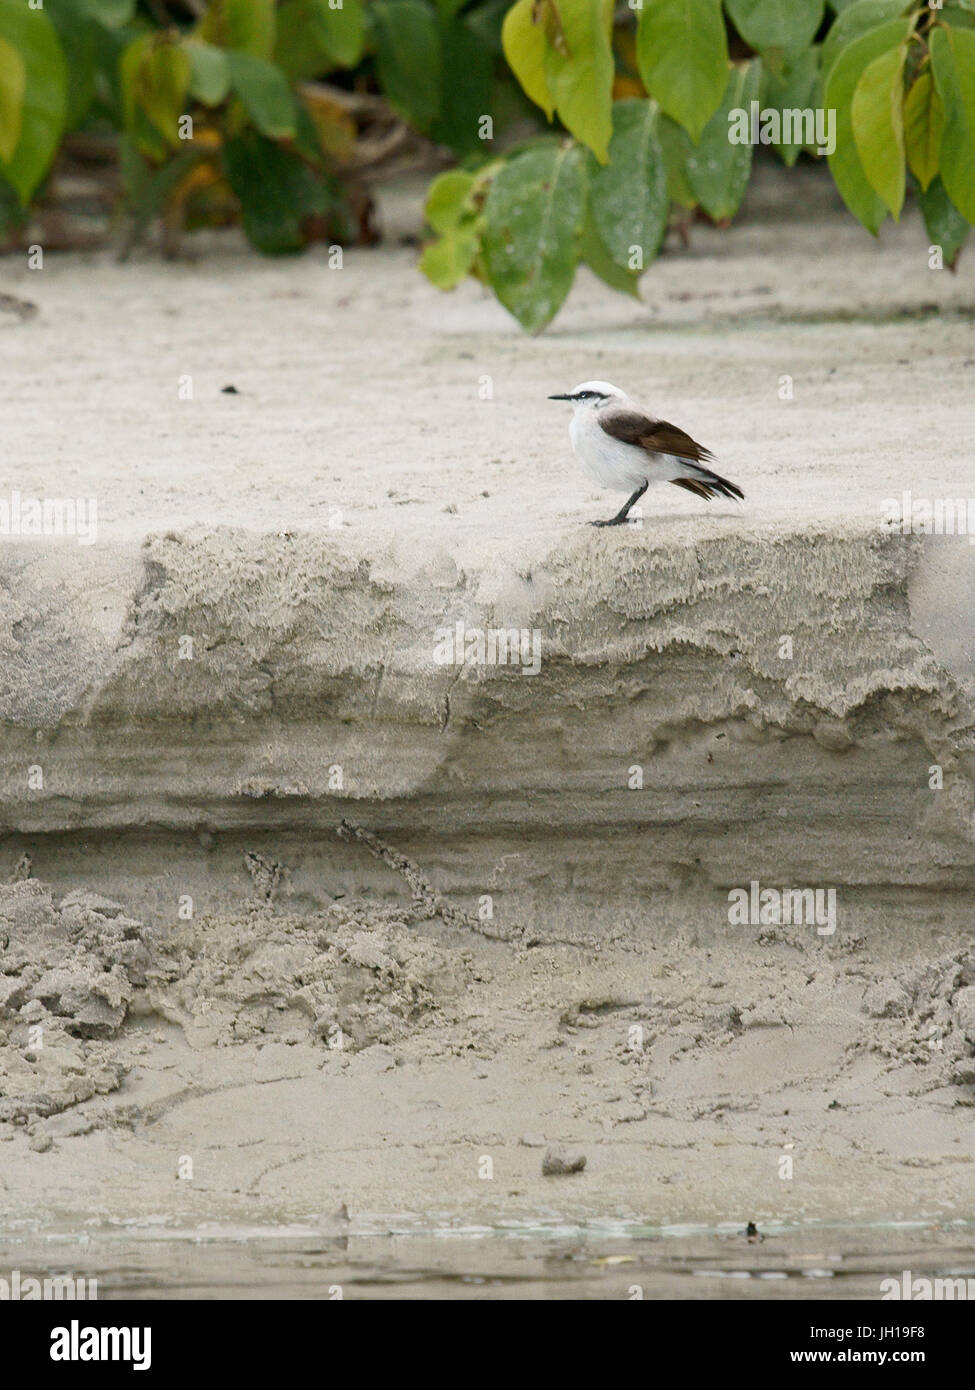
(613, 521)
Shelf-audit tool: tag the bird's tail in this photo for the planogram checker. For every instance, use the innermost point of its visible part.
(709, 485)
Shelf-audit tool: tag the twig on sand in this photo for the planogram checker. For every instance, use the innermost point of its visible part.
(427, 901)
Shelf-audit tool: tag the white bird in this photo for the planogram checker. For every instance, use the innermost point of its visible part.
(623, 447)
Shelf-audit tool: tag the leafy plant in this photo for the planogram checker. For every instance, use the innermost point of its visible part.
(896, 76)
(237, 108)
(581, 131)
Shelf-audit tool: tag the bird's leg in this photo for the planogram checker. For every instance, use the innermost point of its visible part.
(621, 515)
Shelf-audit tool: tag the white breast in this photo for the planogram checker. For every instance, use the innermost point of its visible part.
(621, 467)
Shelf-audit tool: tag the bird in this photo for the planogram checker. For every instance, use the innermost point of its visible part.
(626, 448)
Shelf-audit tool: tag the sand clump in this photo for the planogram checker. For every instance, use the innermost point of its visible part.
(72, 974)
(351, 976)
(77, 975)
(927, 1015)
(68, 975)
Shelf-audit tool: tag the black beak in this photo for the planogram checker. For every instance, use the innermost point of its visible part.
(560, 398)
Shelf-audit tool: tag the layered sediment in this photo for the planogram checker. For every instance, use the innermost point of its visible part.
(731, 707)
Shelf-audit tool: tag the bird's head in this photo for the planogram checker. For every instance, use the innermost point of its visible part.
(590, 395)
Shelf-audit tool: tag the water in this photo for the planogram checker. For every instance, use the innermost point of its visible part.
(400, 1257)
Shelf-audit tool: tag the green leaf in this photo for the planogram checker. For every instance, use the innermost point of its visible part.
(848, 175)
(960, 15)
(13, 82)
(209, 72)
(446, 261)
(858, 18)
(297, 50)
(112, 13)
(155, 81)
(877, 115)
(277, 192)
(263, 89)
(108, 45)
(447, 198)
(924, 124)
(628, 197)
(718, 170)
(791, 89)
(523, 43)
(579, 72)
(79, 37)
(408, 58)
(14, 217)
(130, 66)
(452, 211)
(533, 223)
(682, 55)
(244, 25)
(45, 97)
(313, 36)
(675, 144)
(341, 30)
(601, 263)
(944, 223)
(164, 87)
(953, 65)
(788, 25)
(464, 103)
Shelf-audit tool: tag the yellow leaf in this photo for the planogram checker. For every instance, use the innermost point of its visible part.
(523, 42)
(155, 76)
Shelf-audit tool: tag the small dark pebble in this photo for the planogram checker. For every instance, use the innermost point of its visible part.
(558, 1162)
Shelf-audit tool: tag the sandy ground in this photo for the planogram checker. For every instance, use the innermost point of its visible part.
(362, 389)
(389, 1061)
(337, 1036)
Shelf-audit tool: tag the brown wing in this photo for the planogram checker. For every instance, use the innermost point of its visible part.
(656, 436)
(695, 485)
